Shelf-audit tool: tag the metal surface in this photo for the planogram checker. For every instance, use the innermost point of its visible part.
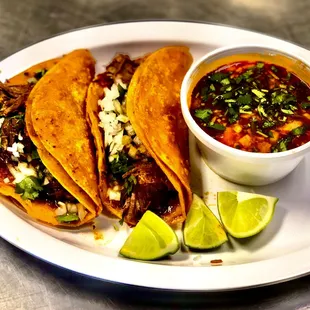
(26, 282)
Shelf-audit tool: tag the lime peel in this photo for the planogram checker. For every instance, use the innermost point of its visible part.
(202, 230)
(245, 214)
(151, 239)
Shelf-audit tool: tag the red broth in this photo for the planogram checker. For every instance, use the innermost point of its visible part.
(254, 107)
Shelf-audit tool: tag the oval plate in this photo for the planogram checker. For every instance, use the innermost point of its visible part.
(279, 253)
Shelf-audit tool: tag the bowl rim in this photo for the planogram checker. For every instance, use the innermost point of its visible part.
(206, 138)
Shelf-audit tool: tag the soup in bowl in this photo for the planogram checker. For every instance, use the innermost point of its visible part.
(249, 108)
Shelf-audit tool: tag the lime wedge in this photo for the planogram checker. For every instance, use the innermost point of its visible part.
(202, 230)
(151, 239)
(245, 214)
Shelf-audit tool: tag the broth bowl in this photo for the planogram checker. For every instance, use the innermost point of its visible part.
(239, 166)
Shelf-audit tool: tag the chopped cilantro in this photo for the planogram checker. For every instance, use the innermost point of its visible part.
(34, 154)
(305, 105)
(270, 134)
(39, 74)
(212, 88)
(204, 94)
(247, 74)
(268, 124)
(122, 91)
(299, 131)
(281, 145)
(18, 116)
(216, 126)
(261, 111)
(239, 79)
(32, 80)
(225, 81)
(274, 69)
(70, 217)
(203, 114)
(29, 187)
(258, 93)
(308, 98)
(120, 165)
(286, 111)
(260, 65)
(121, 221)
(227, 95)
(129, 184)
(218, 76)
(233, 115)
(246, 99)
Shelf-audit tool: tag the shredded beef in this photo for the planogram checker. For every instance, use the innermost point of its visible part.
(13, 97)
(153, 191)
(12, 106)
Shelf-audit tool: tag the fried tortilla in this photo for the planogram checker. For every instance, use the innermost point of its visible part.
(141, 138)
(52, 189)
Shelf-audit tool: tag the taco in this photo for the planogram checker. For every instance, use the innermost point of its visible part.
(140, 135)
(41, 108)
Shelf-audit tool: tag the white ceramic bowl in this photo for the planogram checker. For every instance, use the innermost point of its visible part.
(232, 164)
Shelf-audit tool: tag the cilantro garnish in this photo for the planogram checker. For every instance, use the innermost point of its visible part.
(29, 188)
(122, 91)
(70, 217)
(217, 126)
(120, 165)
(299, 131)
(129, 184)
(203, 114)
(218, 76)
(268, 124)
(39, 74)
(305, 105)
(282, 145)
(246, 99)
(35, 154)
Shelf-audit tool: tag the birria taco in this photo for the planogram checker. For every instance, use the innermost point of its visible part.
(140, 135)
(46, 155)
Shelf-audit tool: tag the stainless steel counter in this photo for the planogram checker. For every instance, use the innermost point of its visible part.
(28, 283)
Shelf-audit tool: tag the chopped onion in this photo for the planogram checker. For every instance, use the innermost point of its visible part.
(1, 121)
(114, 195)
(129, 129)
(21, 171)
(126, 140)
(62, 209)
(72, 208)
(132, 151)
(142, 149)
(6, 180)
(81, 212)
(118, 107)
(137, 141)
(122, 118)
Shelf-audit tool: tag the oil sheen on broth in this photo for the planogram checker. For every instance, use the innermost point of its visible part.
(254, 107)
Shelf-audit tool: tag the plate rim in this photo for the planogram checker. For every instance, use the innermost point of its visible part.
(177, 283)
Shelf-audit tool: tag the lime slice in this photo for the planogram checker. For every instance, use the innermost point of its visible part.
(202, 230)
(245, 214)
(151, 239)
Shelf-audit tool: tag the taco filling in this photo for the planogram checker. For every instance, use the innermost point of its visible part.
(20, 163)
(135, 182)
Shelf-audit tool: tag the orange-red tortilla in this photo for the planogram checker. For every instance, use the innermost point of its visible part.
(56, 123)
(153, 107)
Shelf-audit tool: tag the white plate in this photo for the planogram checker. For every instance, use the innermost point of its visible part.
(279, 253)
